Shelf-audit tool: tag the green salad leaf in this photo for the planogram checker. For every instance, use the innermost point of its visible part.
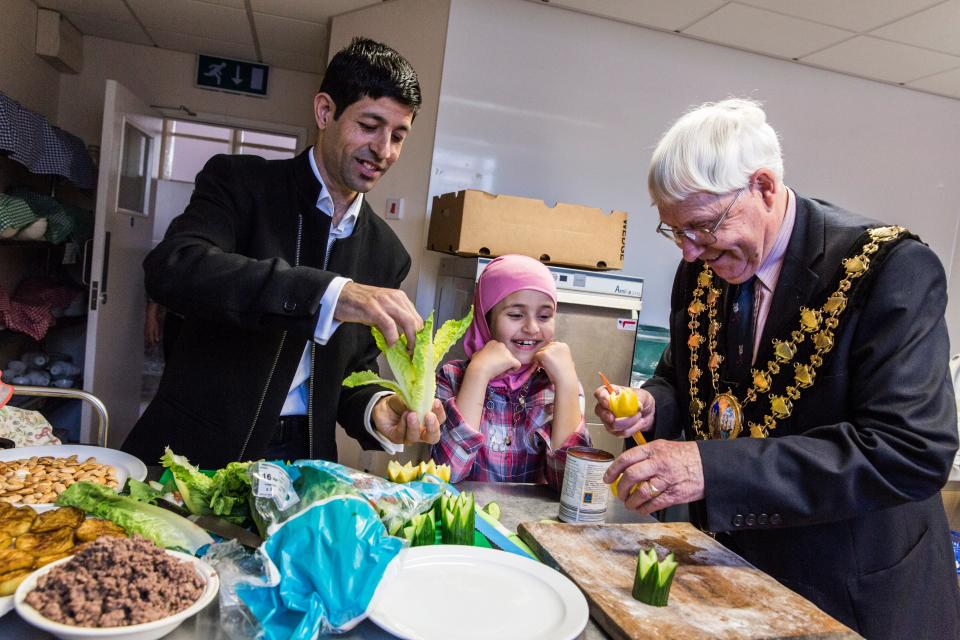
(144, 491)
(164, 528)
(416, 381)
(225, 494)
(194, 487)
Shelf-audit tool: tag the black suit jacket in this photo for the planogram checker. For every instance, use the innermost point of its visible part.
(244, 265)
(842, 502)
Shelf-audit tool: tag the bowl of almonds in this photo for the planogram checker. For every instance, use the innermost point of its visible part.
(37, 475)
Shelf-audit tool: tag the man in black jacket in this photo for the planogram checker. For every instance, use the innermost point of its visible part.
(807, 374)
(280, 268)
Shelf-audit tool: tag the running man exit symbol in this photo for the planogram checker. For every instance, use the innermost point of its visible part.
(234, 76)
(214, 71)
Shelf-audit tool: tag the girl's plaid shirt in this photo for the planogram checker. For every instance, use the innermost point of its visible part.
(513, 443)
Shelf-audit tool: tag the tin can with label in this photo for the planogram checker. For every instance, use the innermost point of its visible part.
(584, 494)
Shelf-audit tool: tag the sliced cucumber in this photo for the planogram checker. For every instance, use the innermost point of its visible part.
(653, 579)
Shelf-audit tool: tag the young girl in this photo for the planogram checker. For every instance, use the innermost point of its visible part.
(515, 406)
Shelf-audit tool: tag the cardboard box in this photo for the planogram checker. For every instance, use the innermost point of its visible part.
(475, 223)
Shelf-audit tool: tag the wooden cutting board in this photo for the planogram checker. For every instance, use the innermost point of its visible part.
(715, 593)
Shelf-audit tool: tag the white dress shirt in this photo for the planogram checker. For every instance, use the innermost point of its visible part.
(296, 401)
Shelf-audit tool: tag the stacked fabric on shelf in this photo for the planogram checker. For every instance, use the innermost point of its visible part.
(31, 140)
(28, 215)
(37, 303)
(31, 319)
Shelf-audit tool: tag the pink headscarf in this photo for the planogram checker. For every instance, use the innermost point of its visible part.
(503, 276)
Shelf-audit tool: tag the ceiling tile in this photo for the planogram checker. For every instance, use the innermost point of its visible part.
(295, 61)
(102, 9)
(744, 27)
(193, 18)
(947, 84)
(122, 31)
(936, 28)
(298, 36)
(236, 4)
(196, 44)
(855, 15)
(661, 14)
(882, 60)
(309, 10)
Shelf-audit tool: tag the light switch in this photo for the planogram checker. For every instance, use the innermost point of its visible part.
(394, 210)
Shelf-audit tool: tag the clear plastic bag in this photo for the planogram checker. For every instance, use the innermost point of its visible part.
(283, 490)
(237, 565)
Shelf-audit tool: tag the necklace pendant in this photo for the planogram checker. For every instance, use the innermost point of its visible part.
(507, 440)
(725, 418)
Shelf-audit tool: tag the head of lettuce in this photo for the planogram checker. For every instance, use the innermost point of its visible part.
(415, 383)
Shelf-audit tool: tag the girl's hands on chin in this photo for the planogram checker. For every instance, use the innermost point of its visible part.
(555, 358)
(494, 359)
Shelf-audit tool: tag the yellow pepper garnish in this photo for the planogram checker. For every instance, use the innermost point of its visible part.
(624, 403)
(408, 472)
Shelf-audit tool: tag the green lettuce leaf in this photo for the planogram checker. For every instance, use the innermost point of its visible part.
(230, 491)
(164, 528)
(224, 494)
(142, 491)
(195, 488)
(416, 381)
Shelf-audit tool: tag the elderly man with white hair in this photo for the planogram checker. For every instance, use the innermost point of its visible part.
(804, 407)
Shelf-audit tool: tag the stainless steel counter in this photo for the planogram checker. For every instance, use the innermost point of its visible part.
(518, 502)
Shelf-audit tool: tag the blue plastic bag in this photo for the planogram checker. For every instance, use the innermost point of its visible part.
(323, 565)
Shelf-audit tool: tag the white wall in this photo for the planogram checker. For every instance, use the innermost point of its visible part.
(24, 76)
(418, 30)
(163, 77)
(562, 106)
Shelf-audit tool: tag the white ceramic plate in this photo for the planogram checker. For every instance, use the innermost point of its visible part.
(125, 464)
(145, 631)
(476, 593)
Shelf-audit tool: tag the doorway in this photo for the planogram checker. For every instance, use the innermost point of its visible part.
(186, 147)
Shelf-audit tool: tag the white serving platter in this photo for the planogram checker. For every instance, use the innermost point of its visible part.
(126, 465)
(476, 593)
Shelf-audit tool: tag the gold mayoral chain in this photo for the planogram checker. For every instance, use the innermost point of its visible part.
(725, 420)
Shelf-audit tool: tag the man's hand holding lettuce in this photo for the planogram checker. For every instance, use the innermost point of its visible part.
(413, 414)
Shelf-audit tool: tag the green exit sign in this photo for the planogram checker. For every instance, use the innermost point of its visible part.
(236, 76)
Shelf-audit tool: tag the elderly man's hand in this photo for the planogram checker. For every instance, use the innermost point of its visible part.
(399, 425)
(625, 427)
(657, 475)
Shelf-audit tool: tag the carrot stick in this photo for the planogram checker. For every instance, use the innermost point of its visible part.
(606, 383)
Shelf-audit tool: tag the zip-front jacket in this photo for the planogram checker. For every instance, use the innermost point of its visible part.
(244, 265)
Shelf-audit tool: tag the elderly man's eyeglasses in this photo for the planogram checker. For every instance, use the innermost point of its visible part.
(698, 235)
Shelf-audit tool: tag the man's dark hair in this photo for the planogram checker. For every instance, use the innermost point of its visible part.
(366, 68)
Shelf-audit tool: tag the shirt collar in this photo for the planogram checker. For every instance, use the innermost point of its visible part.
(325, 200)
(769, 271)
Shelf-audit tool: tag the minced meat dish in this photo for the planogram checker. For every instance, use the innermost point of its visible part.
(116, 582)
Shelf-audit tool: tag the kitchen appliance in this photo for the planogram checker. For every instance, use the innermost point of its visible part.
(596, 316)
